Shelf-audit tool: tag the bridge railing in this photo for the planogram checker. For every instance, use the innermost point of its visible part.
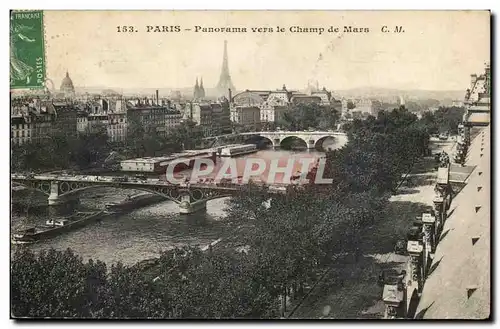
(282, 132)
(150, 182)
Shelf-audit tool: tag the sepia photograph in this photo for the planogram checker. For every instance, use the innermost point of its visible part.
(293, 165)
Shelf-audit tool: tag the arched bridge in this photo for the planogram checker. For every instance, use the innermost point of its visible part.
(313, 139)
(190, 197)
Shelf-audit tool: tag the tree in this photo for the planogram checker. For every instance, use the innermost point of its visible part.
(329, 118)
(62, 151)
(56, 284)
(187, 134)
(301, 117)
(91, 147)
(445, 119)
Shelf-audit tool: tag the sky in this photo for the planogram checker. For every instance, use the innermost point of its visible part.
(438, 50)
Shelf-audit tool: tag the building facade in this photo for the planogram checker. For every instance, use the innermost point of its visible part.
(34, 120)
(221, 116)
(247, 117)
(212, 118)
(65, 120)
(478, 99)
(362, 107)
(161, 118)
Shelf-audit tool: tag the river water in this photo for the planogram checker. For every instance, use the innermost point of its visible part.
(145, 232)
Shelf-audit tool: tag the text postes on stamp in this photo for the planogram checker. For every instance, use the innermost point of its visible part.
(27, 58)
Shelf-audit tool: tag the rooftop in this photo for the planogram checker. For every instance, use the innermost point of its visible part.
(173, 156)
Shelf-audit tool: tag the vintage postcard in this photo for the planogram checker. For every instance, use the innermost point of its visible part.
(250, 164)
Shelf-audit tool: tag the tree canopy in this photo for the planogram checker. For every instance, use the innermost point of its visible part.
(305, 116)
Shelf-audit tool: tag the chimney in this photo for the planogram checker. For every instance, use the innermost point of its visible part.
(157, 98)
(473, 78)
(230, 95)
(487, 69)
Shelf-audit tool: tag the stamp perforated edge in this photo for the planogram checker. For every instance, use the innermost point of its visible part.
(44, 47)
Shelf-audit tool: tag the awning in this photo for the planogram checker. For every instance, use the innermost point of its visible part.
(478, 119)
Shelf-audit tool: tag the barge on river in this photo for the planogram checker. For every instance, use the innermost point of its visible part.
(141, 200)
(159, 165)
(237, 150)
(55, 226)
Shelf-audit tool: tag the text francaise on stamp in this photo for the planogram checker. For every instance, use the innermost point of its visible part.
(27, 58)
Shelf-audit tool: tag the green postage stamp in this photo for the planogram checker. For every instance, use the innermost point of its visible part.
(27, 57)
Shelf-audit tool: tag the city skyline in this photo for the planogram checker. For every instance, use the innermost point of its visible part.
(432, 55)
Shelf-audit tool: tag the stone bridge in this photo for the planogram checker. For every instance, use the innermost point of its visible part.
(190, 198)
(312, 139)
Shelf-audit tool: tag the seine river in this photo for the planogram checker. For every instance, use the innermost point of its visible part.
(145, 232)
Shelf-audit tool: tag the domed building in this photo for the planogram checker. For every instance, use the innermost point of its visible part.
(67, 87)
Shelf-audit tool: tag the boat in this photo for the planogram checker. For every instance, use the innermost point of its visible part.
(18, 188)
(132, 203)
(178, 161)
(56, 222)
(56, 226)
(237, 150)
(24, 241)
(65, 224)
(20, 234)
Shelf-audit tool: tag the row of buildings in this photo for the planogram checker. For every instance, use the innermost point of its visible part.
(33, 118)
(36, 117)
(254, 108)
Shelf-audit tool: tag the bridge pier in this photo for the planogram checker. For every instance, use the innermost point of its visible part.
(54, 198)
(189, 206)
(60, 205)
(276, 143)
(311, 144)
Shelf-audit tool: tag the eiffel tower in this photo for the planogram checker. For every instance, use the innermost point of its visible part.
(225, 82)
